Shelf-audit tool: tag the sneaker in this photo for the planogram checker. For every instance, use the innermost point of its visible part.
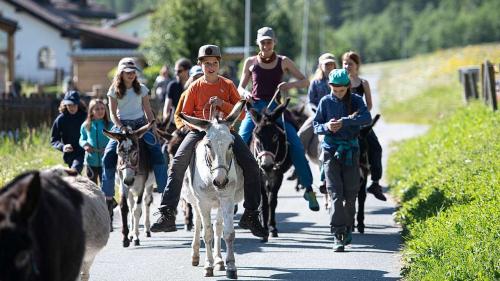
(338, 246)
(166, 222)
(311, 197)
(347, 238)
(376, 190)
(292, 177)
(250, 220)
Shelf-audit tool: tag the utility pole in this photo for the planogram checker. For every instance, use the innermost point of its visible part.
(305, 30)
(248, 14)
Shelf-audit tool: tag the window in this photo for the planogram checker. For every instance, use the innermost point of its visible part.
(46, 58)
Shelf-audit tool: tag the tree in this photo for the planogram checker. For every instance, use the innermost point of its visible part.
(180, 27)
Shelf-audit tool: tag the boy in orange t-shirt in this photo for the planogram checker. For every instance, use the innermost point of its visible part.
(211, 89)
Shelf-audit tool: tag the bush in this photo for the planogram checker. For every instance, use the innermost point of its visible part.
(447, 182)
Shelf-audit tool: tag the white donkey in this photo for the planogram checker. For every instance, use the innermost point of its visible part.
(95, 215)
(136, 181)
(214, 180)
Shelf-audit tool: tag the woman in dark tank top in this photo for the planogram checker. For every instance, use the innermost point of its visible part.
(266, 70)
(351, 61)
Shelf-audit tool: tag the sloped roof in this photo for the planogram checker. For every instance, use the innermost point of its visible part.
(129, 17)
(9, 25)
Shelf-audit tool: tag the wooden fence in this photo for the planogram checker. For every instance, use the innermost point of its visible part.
(33, 111)
(470, 76)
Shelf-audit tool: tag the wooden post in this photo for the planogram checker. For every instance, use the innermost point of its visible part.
(468, 76)
(488, 85)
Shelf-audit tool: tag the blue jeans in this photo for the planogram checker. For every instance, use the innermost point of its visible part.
(296, 148)
(110, 158)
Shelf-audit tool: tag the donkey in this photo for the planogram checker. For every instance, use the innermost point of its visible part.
(96, 220)
(270, 148)
(364, 171)
(214, 180)
(136, 180)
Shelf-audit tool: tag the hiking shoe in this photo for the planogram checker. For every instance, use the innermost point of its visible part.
(311, 197)
(292, 177)
(338, 246)
(347, 238)
(250, 220)
(166, 222)
(376, 190)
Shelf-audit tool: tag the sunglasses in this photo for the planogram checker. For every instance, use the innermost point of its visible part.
(179, 71)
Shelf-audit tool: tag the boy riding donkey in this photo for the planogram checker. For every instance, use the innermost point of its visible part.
(211, 89)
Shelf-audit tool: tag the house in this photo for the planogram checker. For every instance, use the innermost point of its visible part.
(7, 30)
(134, 24)
(49, 34)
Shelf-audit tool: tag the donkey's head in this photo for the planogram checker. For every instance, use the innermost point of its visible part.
(269, 139)
(217, 145)
(128, 151)
(18, 202)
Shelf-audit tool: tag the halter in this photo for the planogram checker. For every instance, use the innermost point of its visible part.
(260, 152)
(208, 161)
(127, 163)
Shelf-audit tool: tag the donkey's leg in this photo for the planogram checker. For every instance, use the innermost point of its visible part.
(265, 210)
(148, 200)
(219, 262)
(273, 203)
(85, 270)
(361, 204)
(137, 217)
(208, 238)
(195, 245)
(124, 210)
(131, 204)
(229, 236)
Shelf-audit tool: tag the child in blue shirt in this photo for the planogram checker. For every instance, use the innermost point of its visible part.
(339, 117)
(93, 141)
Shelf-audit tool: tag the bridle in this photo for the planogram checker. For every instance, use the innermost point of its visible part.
(126, 162)
(259, 151)
(209, 161)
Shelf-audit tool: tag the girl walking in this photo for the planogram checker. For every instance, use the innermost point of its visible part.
(92, 140)
(65, 131)
(339, 117)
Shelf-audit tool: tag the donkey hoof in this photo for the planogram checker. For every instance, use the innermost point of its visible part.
(137, 242)
(195, 261)
(220, 266)
(188, 227)
(264, 239)
(131, 238)
(274, 233)
(361, 228)
(231, 274)
(209, 272)
(148, 233)
(126, 243)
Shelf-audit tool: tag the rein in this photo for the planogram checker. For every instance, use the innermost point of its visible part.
(259, 152)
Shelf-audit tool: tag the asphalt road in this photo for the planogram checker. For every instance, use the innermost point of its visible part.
(303, 250)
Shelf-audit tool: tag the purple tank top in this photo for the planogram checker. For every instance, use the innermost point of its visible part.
(265, 81)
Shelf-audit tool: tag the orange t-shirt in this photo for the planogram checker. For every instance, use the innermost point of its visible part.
(199, 93)
(178, 110)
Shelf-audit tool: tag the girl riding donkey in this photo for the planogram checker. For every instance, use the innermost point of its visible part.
(351, 61)
(130, 109)
(339, 117)
(210, 89)
(266, 71)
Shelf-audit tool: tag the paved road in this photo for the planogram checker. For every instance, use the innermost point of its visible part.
(302, 252)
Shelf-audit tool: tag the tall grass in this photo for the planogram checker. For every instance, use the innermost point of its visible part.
(31, 151)
(448, 184)
(425, 88)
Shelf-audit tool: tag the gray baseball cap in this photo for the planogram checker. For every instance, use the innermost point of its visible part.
(265, 33)
(209, 51)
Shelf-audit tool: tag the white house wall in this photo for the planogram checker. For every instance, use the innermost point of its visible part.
(32, 35)
(138, 27)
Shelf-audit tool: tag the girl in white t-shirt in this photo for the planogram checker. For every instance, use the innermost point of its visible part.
(129, 107)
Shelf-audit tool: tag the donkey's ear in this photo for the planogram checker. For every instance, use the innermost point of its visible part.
(163, 134)
(113, 135)
(279, 110)
(142, 130)
(23, 194)
(235, 113)
(193, 122)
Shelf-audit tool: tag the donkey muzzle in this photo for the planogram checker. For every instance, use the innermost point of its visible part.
(220, 185)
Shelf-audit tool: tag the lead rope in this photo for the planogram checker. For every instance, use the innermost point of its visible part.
(276, 93)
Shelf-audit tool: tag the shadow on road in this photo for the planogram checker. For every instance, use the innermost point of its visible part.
(320, 274)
